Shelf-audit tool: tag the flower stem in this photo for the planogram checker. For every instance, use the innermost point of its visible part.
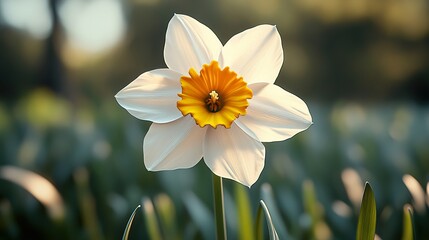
(219, 208)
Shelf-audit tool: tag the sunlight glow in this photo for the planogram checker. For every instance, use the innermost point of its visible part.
(354, 186)
(93, 26)
(341, 209)
(38, 186)
(31, 16)
(416, 192)
(427, 192)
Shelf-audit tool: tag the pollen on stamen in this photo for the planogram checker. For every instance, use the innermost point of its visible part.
(213, 94)
(212, 102)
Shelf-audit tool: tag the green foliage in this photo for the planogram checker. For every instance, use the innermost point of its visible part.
(151, 219)
(244, 213)
(201, 215)
(407, 224)
(130, 222)
(367, 215)
(268, 197)
(167, 216)
(90, 149)
(258, 224)
(95, 161)
(314, 209)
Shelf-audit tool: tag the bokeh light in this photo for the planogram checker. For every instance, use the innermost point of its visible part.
(31, 16)
(95, 25)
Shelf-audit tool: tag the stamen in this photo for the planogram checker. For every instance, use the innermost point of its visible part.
(212, 102)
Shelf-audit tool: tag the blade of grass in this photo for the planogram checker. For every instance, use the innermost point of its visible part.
(408, 227)
(130, 222)
(367, 215)
(259, 232)
(258, 224)
(269, 200)
(314, 209)
(311, 204)
(244, 213)
(151, 219)
(87, 204)
(167, 215)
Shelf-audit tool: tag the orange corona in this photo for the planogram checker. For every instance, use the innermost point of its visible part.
(214, 97)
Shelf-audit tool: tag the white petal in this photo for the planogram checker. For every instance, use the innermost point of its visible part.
(274, 114)
(152, 96)
(189, 44)
(231, 153)
(256, 54)
(173, 145)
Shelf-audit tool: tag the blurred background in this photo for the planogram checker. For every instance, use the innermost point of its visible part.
(71, 161)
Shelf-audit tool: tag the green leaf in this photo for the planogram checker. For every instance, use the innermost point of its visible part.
(130, 221)
(367, 215)
(151, 219)
(167, 215)
(311, 205)
(258, 224)
(314, 209)
(408, 227)
(244, 213)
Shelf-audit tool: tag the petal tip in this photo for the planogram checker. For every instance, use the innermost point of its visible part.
(177, 15)
(310, 121)
(249, 185)
(118, 95)
(150, 168)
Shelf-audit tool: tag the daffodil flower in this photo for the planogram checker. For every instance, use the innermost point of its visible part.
(216, 102)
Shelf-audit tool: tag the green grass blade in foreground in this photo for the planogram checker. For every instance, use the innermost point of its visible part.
(267, 195)
(367, 215)
(408, 226)
(244, 213)
(259, 232)
(258, 224)
(130, 222)
(151, 219)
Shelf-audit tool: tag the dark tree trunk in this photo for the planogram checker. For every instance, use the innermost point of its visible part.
(52, 76)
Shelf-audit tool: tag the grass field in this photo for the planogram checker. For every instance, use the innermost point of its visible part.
(312, 183)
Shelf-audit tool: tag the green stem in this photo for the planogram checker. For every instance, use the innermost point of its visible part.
(218, 208)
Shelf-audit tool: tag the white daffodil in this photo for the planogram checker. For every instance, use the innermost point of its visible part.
(215, 102)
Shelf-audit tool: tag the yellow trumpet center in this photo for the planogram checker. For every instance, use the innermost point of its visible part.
(214, 97)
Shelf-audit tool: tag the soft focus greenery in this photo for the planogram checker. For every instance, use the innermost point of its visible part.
(362, 66)
(94, 159)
